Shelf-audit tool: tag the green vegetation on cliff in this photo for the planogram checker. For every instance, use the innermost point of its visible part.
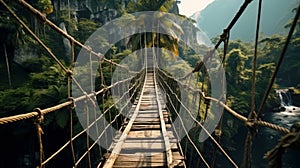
(30, 78)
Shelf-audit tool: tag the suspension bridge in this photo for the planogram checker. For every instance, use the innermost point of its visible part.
(149, 128)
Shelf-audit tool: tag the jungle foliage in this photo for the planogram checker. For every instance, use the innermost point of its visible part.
(40, 82)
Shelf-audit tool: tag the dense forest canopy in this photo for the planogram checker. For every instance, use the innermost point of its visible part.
(30, 78)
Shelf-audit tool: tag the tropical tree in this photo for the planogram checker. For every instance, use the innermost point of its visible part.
(154, 39)
(235, 66)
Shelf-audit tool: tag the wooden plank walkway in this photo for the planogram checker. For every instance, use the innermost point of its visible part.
(146, 140)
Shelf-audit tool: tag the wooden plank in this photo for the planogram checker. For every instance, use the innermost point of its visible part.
(147, 119)
(173, 141)
(149, 97)
(153, 156)
(163, 128)
(146, 133)
(147, 142)
(138, 164)
(146, 122)
(143, 145)
(150, 161)
(116, 150)
(147, 101)
(152, 120)
(148, 111)
(151, 115)
(145, 127)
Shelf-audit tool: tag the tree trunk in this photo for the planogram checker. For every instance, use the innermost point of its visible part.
(7, 65)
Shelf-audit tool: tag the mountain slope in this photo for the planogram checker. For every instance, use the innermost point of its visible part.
(216, 16)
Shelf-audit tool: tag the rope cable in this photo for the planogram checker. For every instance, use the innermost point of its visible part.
(84, 130)
(86, 109)
(293, 26)
(34, 35)
(225, 34)
(186, 132)
(39, 114)
(211, 137)
(66, 35)
(230, 110)
(71, 135)
(252, 115)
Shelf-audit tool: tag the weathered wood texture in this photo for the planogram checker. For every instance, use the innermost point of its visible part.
(144, 142)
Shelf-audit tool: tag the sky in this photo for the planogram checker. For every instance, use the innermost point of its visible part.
(188, 7)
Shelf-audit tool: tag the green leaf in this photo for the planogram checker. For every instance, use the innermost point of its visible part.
(62, 118)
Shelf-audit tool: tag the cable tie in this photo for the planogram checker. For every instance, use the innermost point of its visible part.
(40, 117)
(73, 105)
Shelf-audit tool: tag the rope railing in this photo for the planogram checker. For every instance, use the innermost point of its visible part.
(66, 70)
(184, 128)
(194, 119)
(224, 36)
(66, 35)
(228, 109)
(39, 114)
(177, 136)
(93, 123)
(187, 134)
(15, 118)
(221, 103)
(280, 59)
(62, 105)
(135, 86)
(252, 115)
(10, 119)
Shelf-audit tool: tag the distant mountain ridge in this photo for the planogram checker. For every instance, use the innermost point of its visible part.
(216, 16)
